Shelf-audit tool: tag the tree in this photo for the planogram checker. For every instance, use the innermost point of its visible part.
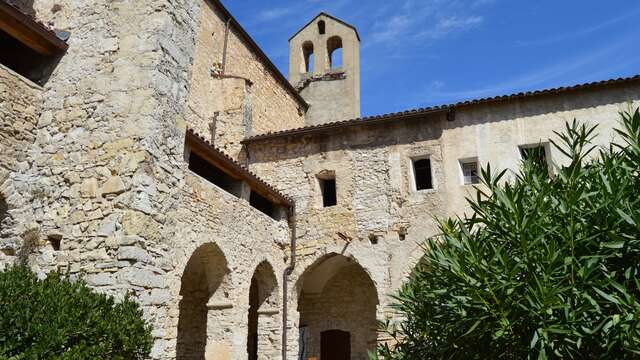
(56, 318)
(546, 267)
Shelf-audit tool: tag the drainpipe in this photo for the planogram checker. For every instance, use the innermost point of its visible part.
(226, 42)
(285, 279)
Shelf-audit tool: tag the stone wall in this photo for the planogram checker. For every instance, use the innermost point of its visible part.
(348, 303)
(19, 108)
(380, 219)
(104, 183)
(247, 95)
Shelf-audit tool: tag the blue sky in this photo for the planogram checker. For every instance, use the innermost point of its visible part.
(417, 53)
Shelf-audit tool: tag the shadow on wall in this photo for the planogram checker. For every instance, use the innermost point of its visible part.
(26, 6)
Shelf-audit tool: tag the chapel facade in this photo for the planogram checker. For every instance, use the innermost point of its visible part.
(155, 149)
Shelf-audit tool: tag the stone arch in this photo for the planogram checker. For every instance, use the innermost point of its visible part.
(263, 332)
(307, 57)
(337, 293)
(335, 52)
(204, 321)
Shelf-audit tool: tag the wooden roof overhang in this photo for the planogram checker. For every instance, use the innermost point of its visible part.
(30, 32)
(208, 152)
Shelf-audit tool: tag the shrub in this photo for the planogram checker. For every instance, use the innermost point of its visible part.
(56, 318)
(547, 267)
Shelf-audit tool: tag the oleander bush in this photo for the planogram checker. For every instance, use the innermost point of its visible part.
(547, 267)
(57, 318)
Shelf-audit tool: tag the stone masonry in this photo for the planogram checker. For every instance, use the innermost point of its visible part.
(96, 177)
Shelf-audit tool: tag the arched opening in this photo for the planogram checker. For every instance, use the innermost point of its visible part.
(307, 54)
(337, 305)
(334, 49)
(321, 27)
(202, 324)
(264, 327)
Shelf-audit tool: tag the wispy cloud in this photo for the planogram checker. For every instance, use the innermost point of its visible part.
(273, 14)
(426, 20)
(451, 24)
(577, 67)
(391, 29)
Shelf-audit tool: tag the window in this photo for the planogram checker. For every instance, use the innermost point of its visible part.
(334, 49)
(307, 53)
(536, 153)
(328, 189)
(422, 174)
(321, 27)
(214, 175)
(469, 170)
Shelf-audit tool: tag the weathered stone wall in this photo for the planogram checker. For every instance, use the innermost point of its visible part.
(105, 187)
(245, 239)
(247, 95)
(19, 106)
(380, 219)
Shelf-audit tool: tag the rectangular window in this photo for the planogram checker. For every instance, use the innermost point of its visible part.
(422, 174)
(537, 153)
(469, 172)
(328, 189)
(214, 175)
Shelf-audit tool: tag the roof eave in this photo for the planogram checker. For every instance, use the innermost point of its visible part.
(30, 32)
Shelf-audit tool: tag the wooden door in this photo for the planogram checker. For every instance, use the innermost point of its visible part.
(335, 345)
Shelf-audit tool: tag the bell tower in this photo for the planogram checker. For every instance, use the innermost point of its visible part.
(324, 66)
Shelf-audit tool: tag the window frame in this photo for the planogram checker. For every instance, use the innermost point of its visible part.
(326, 203)
(545, 145)
(462, 163)
(412, 169)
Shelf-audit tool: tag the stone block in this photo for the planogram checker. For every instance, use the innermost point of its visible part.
(113, 186)
(89, 188)
(133, 253)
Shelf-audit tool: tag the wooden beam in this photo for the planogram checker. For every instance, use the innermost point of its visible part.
(29, 32)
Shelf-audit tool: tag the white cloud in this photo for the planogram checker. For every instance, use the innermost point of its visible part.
(426, 19)
(273, 14)
(391, 28)
(452, 24)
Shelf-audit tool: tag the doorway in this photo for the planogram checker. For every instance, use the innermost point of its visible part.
(335, 345)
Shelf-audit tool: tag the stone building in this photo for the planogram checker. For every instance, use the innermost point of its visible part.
(156, 149)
